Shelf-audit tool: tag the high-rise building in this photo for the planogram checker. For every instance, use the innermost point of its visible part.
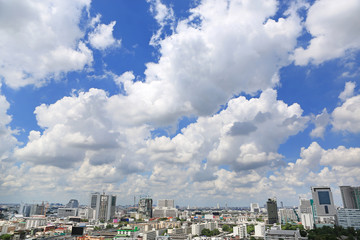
(145, 206)
(272, 210)
(350, 197)
(348, 218)
(254, 207)
(73, 203)
(166, 203)
(323, 205)
(306, 213)
(104, 206)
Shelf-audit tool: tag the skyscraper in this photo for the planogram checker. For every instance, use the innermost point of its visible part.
(324, 208)
(145, 206)
(104, 206)
(166, 203)
(73, 203)
(350, 197)
(272, 210)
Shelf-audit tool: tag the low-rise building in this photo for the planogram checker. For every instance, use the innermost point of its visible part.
(348, 218)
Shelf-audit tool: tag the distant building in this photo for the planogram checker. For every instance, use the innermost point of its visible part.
(35, 221)
(67, 212)
(306, 213)
(275, 232)
(37, 209)
(348, 218)
(73, 203)
(145, 206)
(25, 209)
(323, 206)
(254, 207)
(288, 215)
(240, 231)
(104, 206)
(272, 211)
(86, 213)
(350, 197)
(165, 208)
(259, 230)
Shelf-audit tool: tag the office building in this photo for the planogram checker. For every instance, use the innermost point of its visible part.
(288, 215)
(272, 210)
(240, 231)
(169, 203)
(145, 206)
(73, 203)
(260, 230)
(350, 197)
(66, 212)
(37, 209)
(323, 206)
(165, 209)
(254, 207)
(25, 209)
(275, 232)
(104, 206)
(348, 218)
(306, 213)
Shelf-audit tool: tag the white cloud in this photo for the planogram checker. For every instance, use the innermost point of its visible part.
(7, 139)
(40, 40)
(347, 116)
(335, 30)
(102, 37)
(321, 121)
(348, 91)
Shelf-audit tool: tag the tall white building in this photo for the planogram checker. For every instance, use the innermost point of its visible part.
(260, 230)
(104, 206)
(240, 231)
(165, 208)
(324, 208)
(306, 213)
(348, 218)
(254, 207)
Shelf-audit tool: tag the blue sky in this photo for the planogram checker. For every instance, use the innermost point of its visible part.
(203, 101)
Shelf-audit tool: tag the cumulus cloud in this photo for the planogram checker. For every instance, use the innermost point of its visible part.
(41, 39)
(335, 30)
(347, 116)
(348, 91)
(102, 37)
(321, 121)
(7, 139)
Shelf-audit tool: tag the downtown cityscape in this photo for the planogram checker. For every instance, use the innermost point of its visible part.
(103, 219)
(179, 119)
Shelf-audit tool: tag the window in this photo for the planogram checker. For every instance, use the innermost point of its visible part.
(326, 209)
(324, 198)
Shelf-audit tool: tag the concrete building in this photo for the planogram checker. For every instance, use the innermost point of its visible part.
(259, 230)
(73, 203)
(240, 231)
(306, 213)
(37, 209)
(272, 211)
(66, 212)
(348, 218)
(104, 206)
(165, 208)
(275, 232)
(35, 221)
(86, 213)
(254, 207)
(168, 203)
(288, 215)
(350, 197)
(323, 206)
(145, 206)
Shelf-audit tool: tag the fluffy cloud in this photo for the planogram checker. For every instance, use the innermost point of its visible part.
(347, 116)
(321, 122)
(41, 39)
(335, 30)
(7, 139)
(102, 37)
(348, 91)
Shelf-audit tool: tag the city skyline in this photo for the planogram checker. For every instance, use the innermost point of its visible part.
(204, 102)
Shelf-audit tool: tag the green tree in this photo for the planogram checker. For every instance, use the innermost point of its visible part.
(109, 226)
(226, 228)
(6, 236)
(206, 232)
(250, 228)
(215, 232)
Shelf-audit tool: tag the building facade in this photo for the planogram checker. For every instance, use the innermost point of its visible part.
(272, 210)
(323, 205)
(145, 207)
(104, 206)
(350, 196)
(348, 218)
